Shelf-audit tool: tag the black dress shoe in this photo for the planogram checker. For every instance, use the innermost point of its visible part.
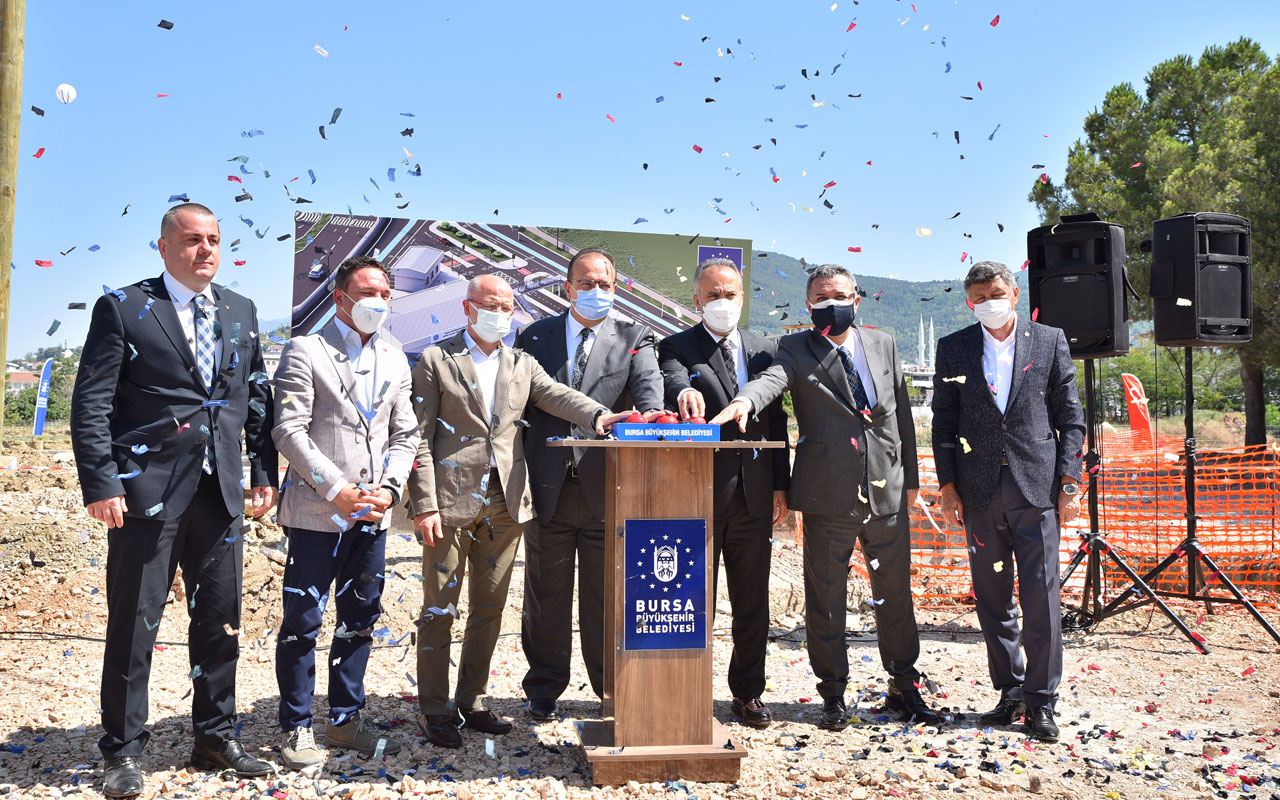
(910, 707)
(1040, 725)
(753, 713)
(441, 729)
(483, 720)
(835, 714)
(543, 709)
(1005, 712)
(124, 778)
(229, 755)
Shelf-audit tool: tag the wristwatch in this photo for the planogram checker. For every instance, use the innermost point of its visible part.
(1070, 489)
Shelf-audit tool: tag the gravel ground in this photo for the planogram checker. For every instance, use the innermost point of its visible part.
(1142, 715)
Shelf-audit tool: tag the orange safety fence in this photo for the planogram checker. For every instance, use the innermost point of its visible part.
(1142, 514)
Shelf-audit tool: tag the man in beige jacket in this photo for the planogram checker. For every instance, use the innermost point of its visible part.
(469, 494)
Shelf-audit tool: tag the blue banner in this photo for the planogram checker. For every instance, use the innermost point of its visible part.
(42, 399)
(665, 432)
(666, 594)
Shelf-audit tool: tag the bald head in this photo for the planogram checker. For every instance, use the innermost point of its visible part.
(484, 288)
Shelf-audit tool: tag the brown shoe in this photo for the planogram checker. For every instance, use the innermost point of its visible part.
(753, 713)
(483, 720)
(441, 729)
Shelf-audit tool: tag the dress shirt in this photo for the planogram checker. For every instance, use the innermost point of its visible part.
(853, 343)
(739, 358)
(364, 363)
(997, 364)
(486, 376)
(182, 296)
(572, 333)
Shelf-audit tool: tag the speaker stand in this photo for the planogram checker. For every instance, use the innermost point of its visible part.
(1093, 546)
(1190, 548)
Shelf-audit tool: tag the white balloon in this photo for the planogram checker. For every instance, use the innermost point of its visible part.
(65, 92)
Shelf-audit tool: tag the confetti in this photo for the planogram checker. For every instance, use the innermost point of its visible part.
(998, 566)
(321, 51)
(964, 443)
(995, 21)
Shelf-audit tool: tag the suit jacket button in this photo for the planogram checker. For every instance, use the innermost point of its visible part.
(1003, 427)
(364, 472)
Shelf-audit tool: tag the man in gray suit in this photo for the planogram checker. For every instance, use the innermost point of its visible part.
(854, 479)
(1007, 437)
(615, 363)
(347, 426)
(470, 495)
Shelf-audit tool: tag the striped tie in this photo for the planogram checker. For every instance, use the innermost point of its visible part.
(204, 360)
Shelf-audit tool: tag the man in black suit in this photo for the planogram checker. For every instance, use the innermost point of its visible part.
(703, 368)
(170, 376)
(1007, 439)
(614, 362)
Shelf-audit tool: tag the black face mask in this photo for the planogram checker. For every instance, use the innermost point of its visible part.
(832, 320)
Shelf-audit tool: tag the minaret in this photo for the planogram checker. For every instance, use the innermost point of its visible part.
(933, 346)
(923, 354)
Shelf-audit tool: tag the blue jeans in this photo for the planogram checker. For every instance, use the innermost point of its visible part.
(317, 562)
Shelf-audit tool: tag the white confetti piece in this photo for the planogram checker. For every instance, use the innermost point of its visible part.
(964, 443)
(880, 484)
(322, 51)
(998, 566)
(956, 379)
(1182, 301)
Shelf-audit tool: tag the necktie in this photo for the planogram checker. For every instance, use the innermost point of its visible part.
(204, 359)
(727, 351)
(860, 403)
(580, 359)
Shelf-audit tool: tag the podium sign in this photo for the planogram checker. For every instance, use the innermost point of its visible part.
(666, 588)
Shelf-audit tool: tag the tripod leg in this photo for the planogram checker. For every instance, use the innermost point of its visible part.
(1073, 563)
(1225, 581)
(1141, 586)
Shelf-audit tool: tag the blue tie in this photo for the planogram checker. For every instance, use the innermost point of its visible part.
(205, 361)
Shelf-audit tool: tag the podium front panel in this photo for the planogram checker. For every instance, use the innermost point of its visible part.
(658, 696)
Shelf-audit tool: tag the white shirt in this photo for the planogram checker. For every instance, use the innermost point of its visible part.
(181, 296)
(572, 333)
(997, 364)
(364, 363)
(486, 375)
(860, 363)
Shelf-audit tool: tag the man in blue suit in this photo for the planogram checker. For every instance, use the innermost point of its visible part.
(1007, 437)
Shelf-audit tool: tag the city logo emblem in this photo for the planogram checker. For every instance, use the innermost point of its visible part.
(664, 563)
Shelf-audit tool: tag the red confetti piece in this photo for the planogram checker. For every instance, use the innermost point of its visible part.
(40, 263)
(855, 249)
(1025, 264)
(235, 178)
(1094, 668)
(610, 117)
(1028, 366)
(969, 303)
(559, 96)
(240, 263)
(39, 153)
(727, 221)
(678, 63)
(852, 25)
(913, 9)
(826, 330)
(1248, 671)
(633, 352)
(805, 699)
(1200, 639)
(828, 185)
(1044, 177)
(854, 441)
(868, 163)
(776, 179)
(697, 149)
(964, 257)
(185, 425)
(1035, 312)
(162, 95)
(995, 21)
(979, 85)
(1135, 165)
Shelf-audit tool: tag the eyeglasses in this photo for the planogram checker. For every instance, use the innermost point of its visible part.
(587, 285)
(501, 308)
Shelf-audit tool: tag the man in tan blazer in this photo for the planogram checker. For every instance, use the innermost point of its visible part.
(469, 494)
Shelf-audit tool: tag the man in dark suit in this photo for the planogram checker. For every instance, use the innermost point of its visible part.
(703, 368)
(854, 479)
(1007, 438)
(170, 376)
(614, 362)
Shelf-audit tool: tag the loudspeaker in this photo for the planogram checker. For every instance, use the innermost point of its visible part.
(1076, 276)
(1201, 280)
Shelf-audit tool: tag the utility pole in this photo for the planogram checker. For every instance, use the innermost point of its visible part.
(13, 20)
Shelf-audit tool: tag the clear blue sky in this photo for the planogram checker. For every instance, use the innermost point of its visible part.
(490, 133)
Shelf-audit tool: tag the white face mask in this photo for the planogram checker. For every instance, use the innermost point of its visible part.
(722, 315)
(368, 314)
(492, 326)
(994, 313)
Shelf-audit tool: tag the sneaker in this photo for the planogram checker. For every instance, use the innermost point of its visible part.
(300, 750)
(359, 734)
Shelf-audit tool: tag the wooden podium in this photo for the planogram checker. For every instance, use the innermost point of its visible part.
(658, 723)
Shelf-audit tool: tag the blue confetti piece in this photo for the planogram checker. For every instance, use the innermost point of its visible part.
(252, 133)
(316, 476)
(992, 137)
(295, 591)
(119, 295)
(391, 173)
(779, 87)
(398, 641)
(407, 114)
(139, 449)
(659, 99)
(446, 425)
(153, 245)
(124, 476)
(15, 748)
(93, 248)
(248, 222)
(802, 127)
(948, 69)
(364, 512)
(173, 198)
(639, 220)
(277, 339)
(667, 210)
(342, 525)
(311, 590)
(156, 509)
(215, 403)
(151, 626)
(312, 175)
(780, 273)
(435, 320)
